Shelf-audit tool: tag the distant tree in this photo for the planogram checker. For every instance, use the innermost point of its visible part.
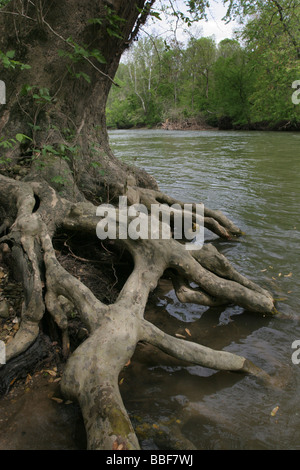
(233, 82)
(272, 39)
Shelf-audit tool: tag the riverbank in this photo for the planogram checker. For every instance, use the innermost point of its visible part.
(223, 124)
(185, 124)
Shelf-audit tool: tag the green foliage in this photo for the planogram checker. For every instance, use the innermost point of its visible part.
(21, 138)
(272, 38)
(114, 21)
(58, 179)
(63, 151)
(196, 10)
(10, 143)
(8, 61)
(233, 82)
(135, 102)
(41, 95)
(248, 79)
(7, 144)
(111, 22)
(81, 52)
(3, 3)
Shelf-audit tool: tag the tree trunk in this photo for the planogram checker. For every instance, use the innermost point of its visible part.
(60, 44)
(51, 184)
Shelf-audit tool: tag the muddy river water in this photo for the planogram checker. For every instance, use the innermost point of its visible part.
(254, 178)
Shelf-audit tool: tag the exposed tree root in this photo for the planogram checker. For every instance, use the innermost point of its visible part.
(42, 205)
(19, 368)
(214, 220)
(92, 371)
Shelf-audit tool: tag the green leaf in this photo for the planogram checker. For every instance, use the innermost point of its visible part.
(95, 164)
(97, 55)
(155, 14)
(83, 75)
(22, 138)
(10, 54)
(111, 32)
(58, 179)
(95, 21)
(49, 149)
(26, 89)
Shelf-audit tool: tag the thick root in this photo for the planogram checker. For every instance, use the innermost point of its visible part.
(192, 352)
(215, 221)
(92, 371)
(91, 378)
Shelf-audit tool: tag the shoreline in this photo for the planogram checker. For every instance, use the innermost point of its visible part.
(192, 126)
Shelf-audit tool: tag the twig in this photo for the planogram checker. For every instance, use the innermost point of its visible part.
(17, 14)
(85, 58)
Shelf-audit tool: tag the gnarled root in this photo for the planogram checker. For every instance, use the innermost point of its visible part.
(92, 371)
(214, 220)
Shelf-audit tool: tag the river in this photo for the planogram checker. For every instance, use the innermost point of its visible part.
(254, 178)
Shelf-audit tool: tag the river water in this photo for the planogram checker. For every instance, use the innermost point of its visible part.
(254, 178)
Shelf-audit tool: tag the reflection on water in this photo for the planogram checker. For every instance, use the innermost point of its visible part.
(254, 178)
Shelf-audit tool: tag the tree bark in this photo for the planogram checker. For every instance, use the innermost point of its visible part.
(74, 112)
(36, 206)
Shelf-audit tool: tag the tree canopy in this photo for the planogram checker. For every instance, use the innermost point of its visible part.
(247, 79)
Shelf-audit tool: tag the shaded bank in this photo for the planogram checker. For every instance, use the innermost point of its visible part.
(224, 123)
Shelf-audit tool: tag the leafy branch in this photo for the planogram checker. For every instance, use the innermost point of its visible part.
(83, 56)
(9, 62)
